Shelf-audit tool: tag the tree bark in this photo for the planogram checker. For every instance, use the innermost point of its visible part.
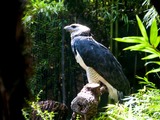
(86, 102)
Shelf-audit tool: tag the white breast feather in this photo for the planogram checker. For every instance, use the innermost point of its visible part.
(94, 77)
(80, 61)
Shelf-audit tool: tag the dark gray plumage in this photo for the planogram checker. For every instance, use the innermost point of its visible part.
(99, 63)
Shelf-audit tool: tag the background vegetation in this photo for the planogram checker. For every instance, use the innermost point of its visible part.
(55, 69)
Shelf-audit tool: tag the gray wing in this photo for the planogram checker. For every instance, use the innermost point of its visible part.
(102, 60)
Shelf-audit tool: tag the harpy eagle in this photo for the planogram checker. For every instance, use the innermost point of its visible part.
(98, 62)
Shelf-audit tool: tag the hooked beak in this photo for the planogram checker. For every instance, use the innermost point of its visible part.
(68, 28)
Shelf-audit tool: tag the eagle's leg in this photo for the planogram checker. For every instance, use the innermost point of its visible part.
(94, 77)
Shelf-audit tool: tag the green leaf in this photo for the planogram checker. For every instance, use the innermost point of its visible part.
(158, 40)
(138, 47)
(145, 81)
(153, 71)
(153, 34)
(138, 77)
(131, 39)
(150, 50)
(151, 56)
(155, 62)
(142, 28)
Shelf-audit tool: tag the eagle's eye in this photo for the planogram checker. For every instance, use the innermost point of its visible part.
(73, 26)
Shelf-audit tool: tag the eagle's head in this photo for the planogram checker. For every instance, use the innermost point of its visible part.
(77, 29)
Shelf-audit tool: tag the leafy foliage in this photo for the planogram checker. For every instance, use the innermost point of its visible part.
(43, 21)
(33, 105)
(143, 105)
(145, 44)
(45, 7)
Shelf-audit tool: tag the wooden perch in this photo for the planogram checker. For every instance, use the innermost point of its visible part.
(86, 102)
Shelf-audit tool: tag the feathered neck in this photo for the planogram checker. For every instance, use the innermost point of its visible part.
(87, 34)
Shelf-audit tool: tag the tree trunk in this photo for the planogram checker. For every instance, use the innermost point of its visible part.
(86, 102)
